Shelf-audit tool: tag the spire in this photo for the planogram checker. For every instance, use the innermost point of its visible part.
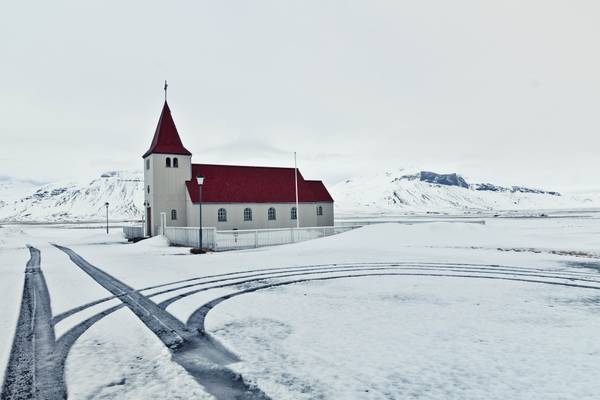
(166, 139)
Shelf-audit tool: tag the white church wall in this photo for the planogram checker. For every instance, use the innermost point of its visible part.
(235, 215)
(167, 188)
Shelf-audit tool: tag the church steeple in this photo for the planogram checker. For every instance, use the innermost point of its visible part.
(166, 138)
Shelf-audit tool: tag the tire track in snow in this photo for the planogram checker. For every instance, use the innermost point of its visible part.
(168, 329)
(200, 356)
(31, 372)
(197, 319)
(499, 271)
(203, 344)
(267, 271)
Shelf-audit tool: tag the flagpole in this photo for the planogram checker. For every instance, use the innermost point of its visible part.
(296, 181)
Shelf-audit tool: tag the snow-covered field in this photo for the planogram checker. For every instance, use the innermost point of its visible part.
(505, 310)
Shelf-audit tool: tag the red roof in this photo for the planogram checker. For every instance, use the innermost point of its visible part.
(166, 139)
(239, 184)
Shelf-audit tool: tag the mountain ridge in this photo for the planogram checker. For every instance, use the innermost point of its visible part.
(74, 200)
(425, 191)
(396, 192)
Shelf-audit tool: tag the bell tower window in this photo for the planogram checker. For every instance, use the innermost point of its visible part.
(175, 162)
(168, 162)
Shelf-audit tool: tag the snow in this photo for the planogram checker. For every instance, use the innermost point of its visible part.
(388, 193)
(76, 201)
(392, 192)
(12, 189)
(421, 338)
(378, 337)
(137, 366)
(13, 255)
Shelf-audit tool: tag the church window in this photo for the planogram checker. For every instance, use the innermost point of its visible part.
(173, 215)
(147, 163)
(175, 162)
(319, 210)
(148, 189)
(271, 214)
(294, 213)
(247, 214)
(222, 215)
(168, 162)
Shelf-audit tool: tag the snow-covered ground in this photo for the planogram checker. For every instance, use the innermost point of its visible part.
(425, 311)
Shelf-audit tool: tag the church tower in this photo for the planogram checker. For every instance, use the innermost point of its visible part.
(167, 166)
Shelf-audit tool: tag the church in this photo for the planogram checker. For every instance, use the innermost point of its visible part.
(231, 196)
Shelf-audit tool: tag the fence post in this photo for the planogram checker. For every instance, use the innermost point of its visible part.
(163, 222)
(255, 238)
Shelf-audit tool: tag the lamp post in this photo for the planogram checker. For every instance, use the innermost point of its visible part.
(144, 221)
(106, 205)
(200, 180)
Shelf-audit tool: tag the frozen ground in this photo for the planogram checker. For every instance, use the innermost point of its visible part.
(509, 309)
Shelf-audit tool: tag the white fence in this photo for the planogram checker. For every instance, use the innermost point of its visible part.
(238, 239)
(133, 232)
(247, 239)
(182, 236)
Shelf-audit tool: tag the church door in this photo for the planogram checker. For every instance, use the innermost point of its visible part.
(148, 221)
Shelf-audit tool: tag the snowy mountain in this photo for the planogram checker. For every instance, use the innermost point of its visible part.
(401, 192)
(12, 189)
(73, 201)
(388, 193)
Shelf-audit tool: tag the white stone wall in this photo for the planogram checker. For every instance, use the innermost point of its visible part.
(235, 215)
(167, 188)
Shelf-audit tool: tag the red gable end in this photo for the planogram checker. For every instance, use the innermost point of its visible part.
(166, 138)
(239, 184)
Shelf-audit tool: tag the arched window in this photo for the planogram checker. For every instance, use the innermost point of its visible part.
(294, 213)
(247, 214)
(319, 210)
(168, 162)
(148, 189)
(173, 215)
(175, 162)
(271, 214)
(147, 163)
(222, 215)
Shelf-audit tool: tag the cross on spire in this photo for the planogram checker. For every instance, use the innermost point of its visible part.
(166, 86)
(166, 138)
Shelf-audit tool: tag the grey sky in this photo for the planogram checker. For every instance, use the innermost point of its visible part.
(506, 91)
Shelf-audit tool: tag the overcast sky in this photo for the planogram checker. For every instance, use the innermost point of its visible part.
(503, 91)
